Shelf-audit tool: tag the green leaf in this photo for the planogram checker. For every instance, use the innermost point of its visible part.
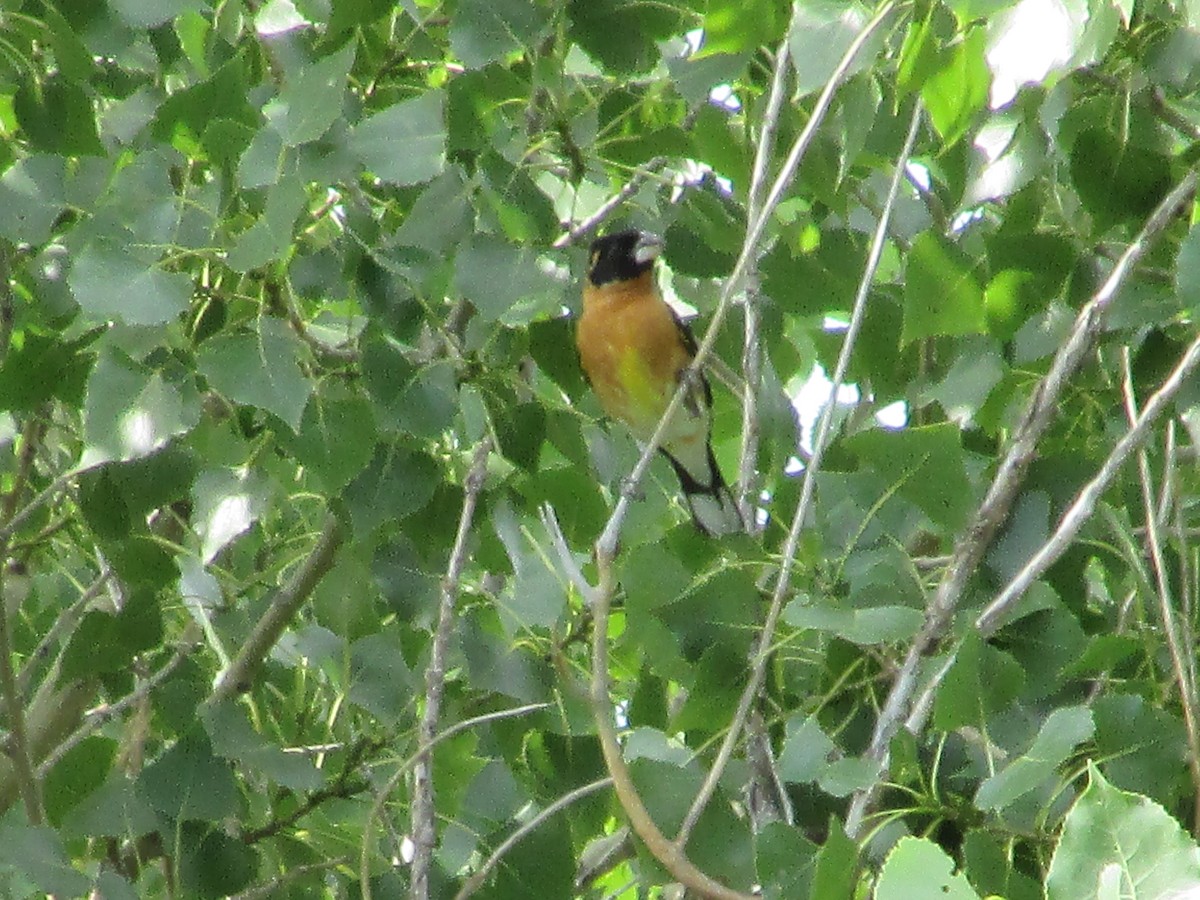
(807, 751)
(81, 771)
(1117, 180)
(784, 861)
(115, 809)
(397, 483)
(837, 863)
(483, 31)
(1187, 268)
(259, 369)
(336, 436)
(32, 195)
(942, 294)
(918, 869)
(57, 117)
(149, 13)
(405, 143)
(921, 54)
(1118, 844)
(184, 118)
(1064, 730)
(924, 465)
(982, 681)
(348, 14)
(188, 782)
(213, 864)
(311, 100)
(1143, 747)
(731, 26)
(131, 411)
(111, 280)
(270, 238)
(621, 35)
(233, 737)
(957, 92)
(876, 625)
(23, 382)
(406, 398)
(822, 32)
(505, 282)
(104, 643)
(534, 598)
(379, 678)
(226, 503)
(37, 853)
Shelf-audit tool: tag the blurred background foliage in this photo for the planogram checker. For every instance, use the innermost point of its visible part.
(270, 272)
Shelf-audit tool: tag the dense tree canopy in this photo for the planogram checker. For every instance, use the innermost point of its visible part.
(325, 576)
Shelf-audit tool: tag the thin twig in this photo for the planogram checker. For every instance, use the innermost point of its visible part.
(608, 541)
(585, 228)
(97, 717)
(994, 508)
(563, 551)
(747, 483)
(424, 834)
(48, 493)
(364, 859)
(670, 853)
(1166, 605)
(1084, 503)
(294, 873)
(240, 673)
(821, 438)
(14, 709)
(64, 624)
(475, 882)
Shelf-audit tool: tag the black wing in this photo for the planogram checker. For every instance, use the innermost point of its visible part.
(689, 343)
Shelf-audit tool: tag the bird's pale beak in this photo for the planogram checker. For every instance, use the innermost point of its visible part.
(647, 248)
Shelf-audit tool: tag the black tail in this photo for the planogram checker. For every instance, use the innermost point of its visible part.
(713, 507)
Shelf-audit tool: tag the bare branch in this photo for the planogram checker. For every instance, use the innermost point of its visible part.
(791, 545)
(670, 853)
(64, 624)
(993, 510)
(1084, 503)
(475, 882)
(97, 717)
(585, 228)
(424, 834)
(747, 479)
(364, 860)
(1166, 605)
(562, 550)
(238, 676)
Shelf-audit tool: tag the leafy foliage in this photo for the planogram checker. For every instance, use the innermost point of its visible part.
(301, 477)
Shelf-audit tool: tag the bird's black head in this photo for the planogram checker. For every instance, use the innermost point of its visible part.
(622, 255)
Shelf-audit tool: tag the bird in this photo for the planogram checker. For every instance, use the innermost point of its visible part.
(635, 351)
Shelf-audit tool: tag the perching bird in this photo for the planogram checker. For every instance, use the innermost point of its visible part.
(634, 351)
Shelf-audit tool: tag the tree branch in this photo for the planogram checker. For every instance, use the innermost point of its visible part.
(747, 479)
(240, 673)
(97, 717)
(670, 853)
(475, 882)
(993, 510)
(792, 544)
(424, 833)
(585, 228)
(364, 859)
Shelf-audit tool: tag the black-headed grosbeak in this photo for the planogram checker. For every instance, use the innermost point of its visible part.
(634, 351)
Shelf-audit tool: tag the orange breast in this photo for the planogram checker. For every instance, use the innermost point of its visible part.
(630, 348)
